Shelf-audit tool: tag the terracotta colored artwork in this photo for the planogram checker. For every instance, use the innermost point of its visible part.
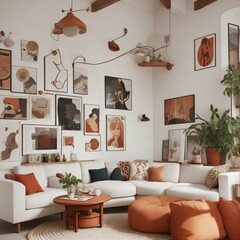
(80, 81)
(9, 144)
(30, 50)
(205, 52)
(91, 117)
(179, 110)
(68, 141)
(93, 144)
(5, 69)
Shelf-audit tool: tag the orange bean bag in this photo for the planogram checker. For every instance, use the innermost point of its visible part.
(151, 214)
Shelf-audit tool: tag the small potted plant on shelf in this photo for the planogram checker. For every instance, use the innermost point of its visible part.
(69, 182)
(217, 135)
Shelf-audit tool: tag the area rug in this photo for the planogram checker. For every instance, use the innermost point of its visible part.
(115, 227)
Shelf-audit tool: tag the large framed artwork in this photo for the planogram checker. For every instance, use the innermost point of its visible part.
(5, 69)
(177, 139)
(69, 112)
(24, 80)
(91, 119)
(41, 108)
(55, 74)
(10, 141)
(233, 44)
(205, 52)
(118, 93)
(92, 143)
(80, 80)
(116, 132)
(179, 110)
(38, 139)
(14, 107)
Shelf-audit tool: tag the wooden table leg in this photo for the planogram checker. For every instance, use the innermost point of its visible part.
(76, 219)
(101, 215)
(66, 216)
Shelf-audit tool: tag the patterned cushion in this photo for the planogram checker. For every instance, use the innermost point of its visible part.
(125, 169)
(212, 178)
(139, 170)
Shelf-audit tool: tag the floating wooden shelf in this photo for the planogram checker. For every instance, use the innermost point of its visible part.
(156, 64)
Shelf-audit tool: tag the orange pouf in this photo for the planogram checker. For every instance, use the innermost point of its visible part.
(151, 214)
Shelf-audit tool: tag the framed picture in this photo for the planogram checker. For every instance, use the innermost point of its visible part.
(179, 110)
(91, 119)
(29, 51)
(116, 131)
(205, 52)
(24, 80)
(41, 108)
(5, 69)
(80, 80)
(165, 150)
(10, 141)
(38, 139)
(177, 139)
(93, 144)
(192, 145)
(68, 112)
(118, 93)
(55, 74)
(14, 107)
(233, 44)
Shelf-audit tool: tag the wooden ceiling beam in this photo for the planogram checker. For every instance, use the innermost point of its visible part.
(202, 3)
(166, 3)
(100, 4)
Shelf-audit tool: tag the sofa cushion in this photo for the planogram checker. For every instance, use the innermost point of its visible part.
(156, 174)
(230, 211)
(125, 167)
(111, 166)
(193, 191)
(98, 174)
(116, 189)
(30, 182)
(116, 174)
(139, 170)
(197, 219)
(212, 178)
(38, 171)
(53, 182)
(43, 199)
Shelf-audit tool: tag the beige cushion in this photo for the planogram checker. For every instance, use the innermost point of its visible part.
(139, 170)
(212, 178)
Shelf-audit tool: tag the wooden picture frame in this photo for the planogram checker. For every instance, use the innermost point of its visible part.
(5, 69)
(91, 119)
(177, 139)
(118, 93)
(40, 139)
(24, 80)
(233, 44)
(92, 143)
(179, 110)
(116, 133)
(69, 112)
(80, 80)
(14, 107)
(205, 52)
(165, 150)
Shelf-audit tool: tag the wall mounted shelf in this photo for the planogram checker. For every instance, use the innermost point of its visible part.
(156, 64)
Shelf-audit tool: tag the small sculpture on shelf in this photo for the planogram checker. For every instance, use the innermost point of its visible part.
(196, 153)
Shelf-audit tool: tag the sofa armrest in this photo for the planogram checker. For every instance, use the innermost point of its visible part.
(226, 183)
(12, 203)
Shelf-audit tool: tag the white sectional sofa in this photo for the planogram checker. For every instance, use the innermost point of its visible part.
(186, 181)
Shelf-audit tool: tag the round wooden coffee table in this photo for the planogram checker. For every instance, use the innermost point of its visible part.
(74, 209)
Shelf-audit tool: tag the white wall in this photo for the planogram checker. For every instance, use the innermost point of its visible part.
(182, 79)
(34, 20)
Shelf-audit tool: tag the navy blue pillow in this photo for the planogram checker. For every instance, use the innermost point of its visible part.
(98, 174)
(116, 175)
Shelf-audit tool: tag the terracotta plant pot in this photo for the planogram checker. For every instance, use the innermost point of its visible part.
(214, 157)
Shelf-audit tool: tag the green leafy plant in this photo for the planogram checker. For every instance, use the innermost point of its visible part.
(69, 180)
(218, 132)
(231, 81)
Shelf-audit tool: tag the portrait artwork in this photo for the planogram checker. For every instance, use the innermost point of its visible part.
(205, 52)
(118, 93)
(91, 119)
(5, 69)
(116, 131)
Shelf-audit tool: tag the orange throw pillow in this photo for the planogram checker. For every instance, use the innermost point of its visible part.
(198, 219)
(30, 182)
(156, 174)
(230, 211)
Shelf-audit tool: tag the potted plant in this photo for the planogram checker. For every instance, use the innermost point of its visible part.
(231, 82)
(69, 182)
(217, 135)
